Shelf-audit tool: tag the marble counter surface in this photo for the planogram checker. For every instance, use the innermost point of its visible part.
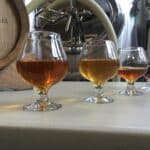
(121, 125)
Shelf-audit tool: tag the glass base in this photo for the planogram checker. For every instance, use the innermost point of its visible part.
(44, 106)
(131, 93)
(102, 100)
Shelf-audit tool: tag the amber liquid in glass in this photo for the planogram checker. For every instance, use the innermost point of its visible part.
(98, 71)
(131, 74)
(43, 73)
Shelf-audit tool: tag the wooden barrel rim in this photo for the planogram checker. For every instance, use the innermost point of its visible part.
(24, 30)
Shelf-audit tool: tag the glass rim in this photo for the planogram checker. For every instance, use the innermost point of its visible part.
(46, 33)
(132, 48)
(101, 42)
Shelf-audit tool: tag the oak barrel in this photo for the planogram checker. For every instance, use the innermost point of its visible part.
(14, 26)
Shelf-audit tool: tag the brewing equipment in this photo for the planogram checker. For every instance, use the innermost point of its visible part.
(76, 22)
(72, 22)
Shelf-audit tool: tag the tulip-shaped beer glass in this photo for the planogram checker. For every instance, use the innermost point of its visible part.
(99, 63)
(42, 63)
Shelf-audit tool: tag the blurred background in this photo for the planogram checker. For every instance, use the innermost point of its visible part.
(130, 19)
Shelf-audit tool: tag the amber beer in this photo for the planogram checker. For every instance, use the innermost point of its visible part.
(131, 74)
(42, 73)
(98, 71)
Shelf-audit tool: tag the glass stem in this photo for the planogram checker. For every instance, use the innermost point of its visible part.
(42, 98)
(99, 94)
(130, 89)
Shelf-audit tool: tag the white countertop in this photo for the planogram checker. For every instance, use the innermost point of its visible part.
(121, 125)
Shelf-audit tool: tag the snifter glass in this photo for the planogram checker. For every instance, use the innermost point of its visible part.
(133, 65)
(42, 63)
(99, 63)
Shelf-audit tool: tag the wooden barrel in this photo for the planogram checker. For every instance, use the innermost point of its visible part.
(14, 26)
